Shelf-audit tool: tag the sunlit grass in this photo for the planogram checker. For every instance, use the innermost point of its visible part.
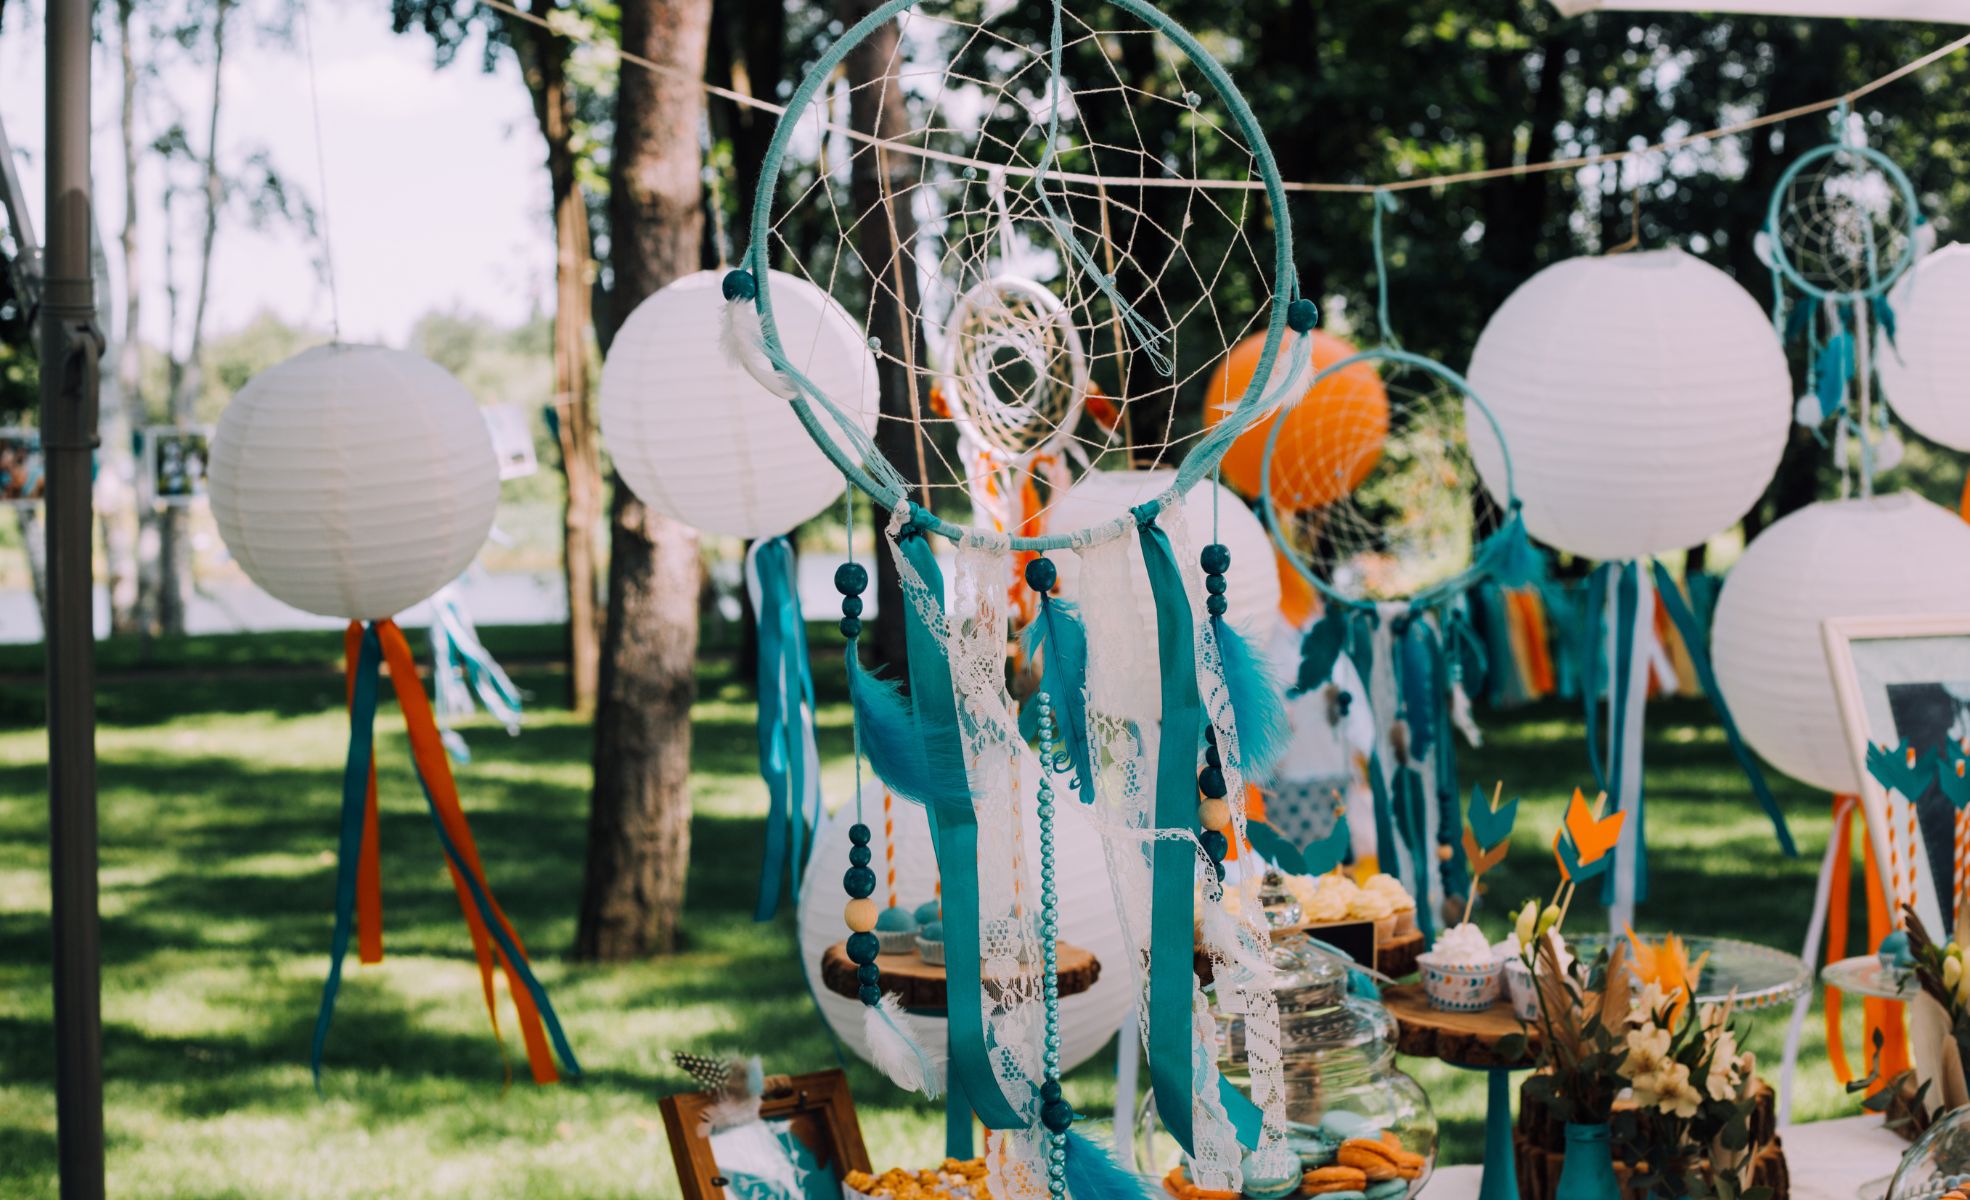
(220, 784)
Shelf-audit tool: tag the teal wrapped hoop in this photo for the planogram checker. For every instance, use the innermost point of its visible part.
(816, 411)
(1479, 567)
(1895, 176)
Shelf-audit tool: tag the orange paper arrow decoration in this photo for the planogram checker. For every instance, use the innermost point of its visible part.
(1481, 861)
(1592, 837)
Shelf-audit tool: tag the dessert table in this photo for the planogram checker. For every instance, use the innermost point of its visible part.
(1828, 1160)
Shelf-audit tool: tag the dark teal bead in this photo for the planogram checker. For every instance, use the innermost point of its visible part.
(1215, 584)
(860, 855)
(1216, 558)
(871, 994)
(863, 947)
(851, 628)
(739, 285)
(1217, 868)
(1040, 575)
(1057, 1115)
(1211, 758)
(1050, 1091)
(1210, 781)
(1211, 735)
(868, 973)
(1301, 315)
(1343, 701)
(859, 882)
(859, 834)
(851, 606)
(1214, 844)
(851, 579)
(1216, 604)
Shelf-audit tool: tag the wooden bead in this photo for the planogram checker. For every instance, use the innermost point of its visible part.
(1443, 853)
(1214, 814)
(861, 914)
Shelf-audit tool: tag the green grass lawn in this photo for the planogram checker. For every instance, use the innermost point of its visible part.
(220, 786)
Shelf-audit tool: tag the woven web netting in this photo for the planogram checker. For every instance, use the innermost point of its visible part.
(1058, 313)
(1374, 489)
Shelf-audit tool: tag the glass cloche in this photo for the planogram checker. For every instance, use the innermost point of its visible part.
(1938, 1163)
(1344, 1091)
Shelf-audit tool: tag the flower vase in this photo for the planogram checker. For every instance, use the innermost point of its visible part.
(1587, 1173)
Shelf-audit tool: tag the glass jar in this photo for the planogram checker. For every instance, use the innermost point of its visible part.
(1938, 1161)
(1338, 1063)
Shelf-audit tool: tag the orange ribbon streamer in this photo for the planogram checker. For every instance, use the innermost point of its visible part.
(1879, 1016)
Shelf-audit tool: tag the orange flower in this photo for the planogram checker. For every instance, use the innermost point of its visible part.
(1667, 965)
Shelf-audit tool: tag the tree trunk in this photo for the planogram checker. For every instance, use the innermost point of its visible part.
(875, 105)
(543, 63)
(174, 543)
(118, 493)
(639, 831)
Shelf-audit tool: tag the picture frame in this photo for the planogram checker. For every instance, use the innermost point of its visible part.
(23, 476)
(1894, 679)
(818, 1108)
(177, 462)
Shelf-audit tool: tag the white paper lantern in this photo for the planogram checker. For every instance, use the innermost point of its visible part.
(1884, 556)
(353, 481)
(1253, 592)
(1644, 399)
(1925, 374)
(1087, 911)
(695, 434)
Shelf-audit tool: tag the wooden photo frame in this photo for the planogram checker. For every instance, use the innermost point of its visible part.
(818, 1107)
(1896, 678)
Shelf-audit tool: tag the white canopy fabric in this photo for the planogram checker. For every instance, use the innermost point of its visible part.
(1950, 11)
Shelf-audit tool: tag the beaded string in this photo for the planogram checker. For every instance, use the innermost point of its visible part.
(1056, 1114)
(851, 580)
(1214, 811)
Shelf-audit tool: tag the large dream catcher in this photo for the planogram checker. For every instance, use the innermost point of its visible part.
(1843, 226)
(1040, 275)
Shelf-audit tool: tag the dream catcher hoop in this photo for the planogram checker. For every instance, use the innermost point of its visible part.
(1844, 225)
(1003, 141)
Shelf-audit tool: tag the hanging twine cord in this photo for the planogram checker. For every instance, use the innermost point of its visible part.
(321, 176)
(1430, 181)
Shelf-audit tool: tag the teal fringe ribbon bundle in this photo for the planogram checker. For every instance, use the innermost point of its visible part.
(461, 668)
(785, 725)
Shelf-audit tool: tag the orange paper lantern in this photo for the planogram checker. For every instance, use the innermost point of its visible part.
(1330, 440)
(1297, 602)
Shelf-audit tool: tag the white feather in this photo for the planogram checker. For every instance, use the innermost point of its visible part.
(899, 1052)
(728, 1112)
(744, 343)
(1460, 715)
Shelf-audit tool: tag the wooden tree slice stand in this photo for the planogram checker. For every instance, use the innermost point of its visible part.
(1462, 1039)
(919, 985)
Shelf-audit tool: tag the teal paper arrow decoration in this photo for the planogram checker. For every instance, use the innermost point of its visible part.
(1953, 774)
(1492, 825)
(1902, 769)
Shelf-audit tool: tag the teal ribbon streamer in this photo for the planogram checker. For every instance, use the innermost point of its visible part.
(1697, 641)
(355, 798)
(784, 725)
(1627, 599)
(1378, 789)
(1173, 865)
(1593, 629)
(954, 833)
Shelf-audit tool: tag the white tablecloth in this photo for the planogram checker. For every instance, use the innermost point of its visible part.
(1828, 1160)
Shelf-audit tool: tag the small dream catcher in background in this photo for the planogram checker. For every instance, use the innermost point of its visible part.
(1843, 226)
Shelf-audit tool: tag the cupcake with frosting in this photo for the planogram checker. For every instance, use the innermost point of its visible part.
(1389, 888)
(1462, 972)
(930, 943)
(1332, 901)
(1374, 906)
(896, 930)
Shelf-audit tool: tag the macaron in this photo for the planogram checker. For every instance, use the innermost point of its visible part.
(1272, 1180)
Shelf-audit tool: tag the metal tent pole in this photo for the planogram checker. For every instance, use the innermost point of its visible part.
(70, 349)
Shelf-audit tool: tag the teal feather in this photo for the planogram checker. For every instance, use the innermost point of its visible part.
(1329, 852)
(1272, 845)
(1093, 1174)
(1258, 705)
(1060, 642)
(1320, 650)
(1510, 556)
(924, 765)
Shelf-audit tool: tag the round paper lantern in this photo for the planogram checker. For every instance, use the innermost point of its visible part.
(1101, 496)
(1087, 912)
(1884, 556)
(1328, 442)
(1644, 397)
(353, 481)
(694, 432)
(1925, 374)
